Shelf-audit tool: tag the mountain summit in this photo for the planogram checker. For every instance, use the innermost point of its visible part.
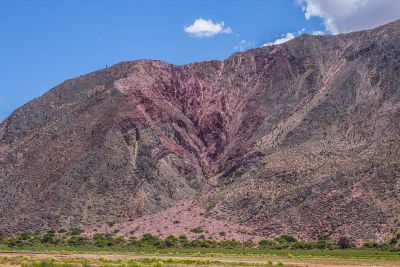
(300, 138)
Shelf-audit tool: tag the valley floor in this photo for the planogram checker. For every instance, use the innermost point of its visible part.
(68, 256)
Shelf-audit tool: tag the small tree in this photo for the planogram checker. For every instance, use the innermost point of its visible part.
(119, 241)
(288, 238)
(264, 243)
(171, 241)
(344, 243)
(183, 241)
(77, 241)
(102, 240)
(76, 231)
(49, 237)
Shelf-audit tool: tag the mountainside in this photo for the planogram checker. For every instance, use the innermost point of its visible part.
(301, 138)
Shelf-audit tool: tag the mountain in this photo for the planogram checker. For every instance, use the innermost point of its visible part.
(301, 138)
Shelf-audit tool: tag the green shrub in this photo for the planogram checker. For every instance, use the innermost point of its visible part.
(75, 231)
(119, 241)
(229, 244)
(202, 243)
(13, 242)
(101, 240)
(24, 236)
(77, 241)
(197, 230)
(35, 240)
(210, 206)
(151, 240)
(264, 243)
(183, 241)
(133, 241)
(249, 244)
(183, 238)
(171, 241)
(370, 244)
(344, 243)
(288, 238)
(49, 237)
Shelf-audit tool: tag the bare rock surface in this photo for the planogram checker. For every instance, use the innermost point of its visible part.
(300, 138)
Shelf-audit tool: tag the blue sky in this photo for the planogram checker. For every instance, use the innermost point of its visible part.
(45, 42)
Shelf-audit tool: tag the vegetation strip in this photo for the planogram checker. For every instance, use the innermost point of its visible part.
(76, 237)
(75, 248)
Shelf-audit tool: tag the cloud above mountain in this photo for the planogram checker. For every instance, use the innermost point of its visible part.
(206, 28)
(341, 16)
(284, 38)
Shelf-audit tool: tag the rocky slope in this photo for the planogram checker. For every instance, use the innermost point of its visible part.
(300, 138)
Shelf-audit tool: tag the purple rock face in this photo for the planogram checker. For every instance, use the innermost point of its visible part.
(300, 138)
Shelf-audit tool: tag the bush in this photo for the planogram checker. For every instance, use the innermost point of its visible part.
(183, 241)
(370, 244)
(300, 245)
(101, 240)
(197, 230)
(49, 237)
(13, 242)
(249, 244)
(171, 241)
(24, 236)
(77, 241)
(229, 244)
(344, 243)
(76, 231)
(183, 238)
(395, 239)
(288, 238)
(321, 244)
(35, 240)
(210, 206)
(133, 241)
(151, 240)
(202, 243)
(266, 243)
(119, 241)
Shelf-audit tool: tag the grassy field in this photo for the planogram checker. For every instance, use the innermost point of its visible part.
(95, 256)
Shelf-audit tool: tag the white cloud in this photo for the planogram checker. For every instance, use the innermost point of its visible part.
(244, 45)
(318, 33)
(206, 28)
(341, 16)
(285, 37)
